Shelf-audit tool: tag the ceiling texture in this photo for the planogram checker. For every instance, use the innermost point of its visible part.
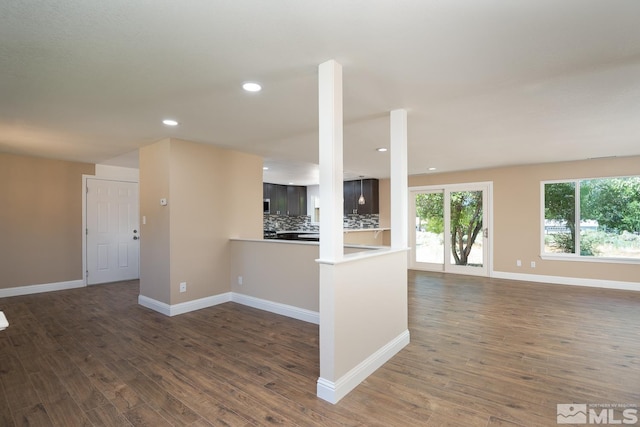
(485, 82)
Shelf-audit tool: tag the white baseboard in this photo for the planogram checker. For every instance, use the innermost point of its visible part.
(278, 308)
(199, 304)
(36, 289)
(273, 307)
(154, 305)
(4, 323)
(183, 307)
(332, 392)
(573, 281)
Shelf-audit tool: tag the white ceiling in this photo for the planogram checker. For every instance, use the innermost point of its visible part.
(485, 82)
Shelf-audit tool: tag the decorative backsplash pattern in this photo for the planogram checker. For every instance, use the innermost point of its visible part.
(362, 221)
(303, 222)
(289, 223)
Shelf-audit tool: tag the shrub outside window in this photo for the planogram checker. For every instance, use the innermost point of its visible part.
(592, 218)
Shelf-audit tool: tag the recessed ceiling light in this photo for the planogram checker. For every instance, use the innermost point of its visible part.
(170, 122)
(381, 149)
(291, 183)
(432, 169)
(251, 87)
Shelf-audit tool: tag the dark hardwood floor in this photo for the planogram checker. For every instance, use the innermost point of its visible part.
(483, 352)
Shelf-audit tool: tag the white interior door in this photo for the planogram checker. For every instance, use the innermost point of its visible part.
(113, 231)
(451, 231)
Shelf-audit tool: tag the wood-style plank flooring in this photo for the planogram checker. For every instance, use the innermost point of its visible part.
(483, 352)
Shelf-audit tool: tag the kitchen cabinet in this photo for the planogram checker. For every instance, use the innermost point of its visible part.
(266, 191)
(351, 195)
(277, 195)
(285, 199)
(279, 200)
(296, 200)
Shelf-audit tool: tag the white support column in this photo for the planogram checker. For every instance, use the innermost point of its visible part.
(399, 180)
(331, 220)
(330, 156)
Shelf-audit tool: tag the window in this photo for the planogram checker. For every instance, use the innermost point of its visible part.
(592, 218)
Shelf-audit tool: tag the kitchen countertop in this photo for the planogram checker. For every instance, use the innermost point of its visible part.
(346, 230)
(353, 230)
(304, 242)
(361, 235)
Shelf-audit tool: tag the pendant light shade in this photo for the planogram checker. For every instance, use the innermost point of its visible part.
(361, 200)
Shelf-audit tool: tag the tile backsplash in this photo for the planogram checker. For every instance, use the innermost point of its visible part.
(303, 222)
(286, 223)
(362, 221)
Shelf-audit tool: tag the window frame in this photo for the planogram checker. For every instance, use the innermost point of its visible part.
(577, 255)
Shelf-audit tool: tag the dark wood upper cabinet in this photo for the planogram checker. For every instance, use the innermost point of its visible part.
(370, 192)
(285, 199)
(371, 195)
(266, 190)
(277, 195)
(350, 197)
(296, 200)
(279, 200)
(292, 199)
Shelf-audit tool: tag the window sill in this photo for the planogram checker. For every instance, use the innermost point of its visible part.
(579, 258)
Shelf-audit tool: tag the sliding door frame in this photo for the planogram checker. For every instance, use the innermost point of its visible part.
(446, 266)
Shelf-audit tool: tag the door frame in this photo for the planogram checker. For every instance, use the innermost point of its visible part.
(126, 178)
(412, 229)
(487, 219)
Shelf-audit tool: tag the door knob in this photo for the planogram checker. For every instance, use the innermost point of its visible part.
(135, 237)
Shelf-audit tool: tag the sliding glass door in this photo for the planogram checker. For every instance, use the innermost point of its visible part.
(450, 228)
(428, 234)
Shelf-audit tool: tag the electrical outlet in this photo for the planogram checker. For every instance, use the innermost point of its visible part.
(533, 264)
(239, 280)
(183, 286)
(519, 263)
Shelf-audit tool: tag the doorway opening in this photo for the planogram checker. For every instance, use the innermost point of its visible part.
(450, 228)
(112, 231)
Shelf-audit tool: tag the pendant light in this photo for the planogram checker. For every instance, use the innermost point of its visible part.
(361, 199)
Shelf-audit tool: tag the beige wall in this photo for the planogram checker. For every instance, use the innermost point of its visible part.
(279, 271)
(367, 237)
(363, 307)
(213, 195)
(517, 211)
(216, 195)
(384, 197)
(40, 220)
(155, 259)
(384, 202)
(282, 272)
